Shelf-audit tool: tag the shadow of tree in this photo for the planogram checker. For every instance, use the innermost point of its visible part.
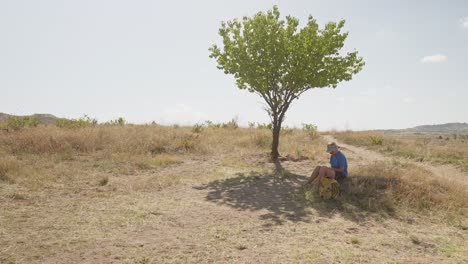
(253, 191)
(282, 196)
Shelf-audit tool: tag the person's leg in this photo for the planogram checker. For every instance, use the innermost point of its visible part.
(324, 172)
(330, 173)
(314, 174)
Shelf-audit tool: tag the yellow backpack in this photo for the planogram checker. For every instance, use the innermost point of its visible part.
(329, 188)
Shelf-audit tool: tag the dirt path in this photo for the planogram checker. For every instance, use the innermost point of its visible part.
(367, 155)
(441, 171)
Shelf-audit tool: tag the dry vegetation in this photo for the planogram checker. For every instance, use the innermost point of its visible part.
(155, 194)
(436, 148)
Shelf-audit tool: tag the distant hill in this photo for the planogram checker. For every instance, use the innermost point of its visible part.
(44, 118)
(449, 128)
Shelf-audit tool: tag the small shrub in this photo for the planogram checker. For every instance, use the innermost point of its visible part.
(17, 123)
(355, 241)
(187, 142)
(197, 128)
(241, 247)
(65, 123)
(117, 122)
(305, 195)
(308, 195)
(4, 177)
(231, 124)
(416, 240)
(265, 126)
(82, 122)
(376, 140)
(209, 123)
(311, 130)
(17, 196)
(104, 181)
(155, 149)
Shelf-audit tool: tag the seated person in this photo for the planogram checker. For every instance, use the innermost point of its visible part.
(338, 170)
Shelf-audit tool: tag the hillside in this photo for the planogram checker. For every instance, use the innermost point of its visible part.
(448, 128)
(44, 118)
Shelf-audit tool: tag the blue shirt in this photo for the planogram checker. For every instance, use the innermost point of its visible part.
(339, 160)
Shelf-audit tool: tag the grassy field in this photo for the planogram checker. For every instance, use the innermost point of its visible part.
(155, 194)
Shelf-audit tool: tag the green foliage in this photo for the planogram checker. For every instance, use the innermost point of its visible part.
(311, 129)
(82, 122)
(376, 140)
(117, 122)
(278, 61)
(66, 123)
(233, 124)
(268, 126)
(209, 123)
(17, 123)
(251, 124)
(266, 54)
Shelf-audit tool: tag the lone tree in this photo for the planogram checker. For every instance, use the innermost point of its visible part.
(279, 62)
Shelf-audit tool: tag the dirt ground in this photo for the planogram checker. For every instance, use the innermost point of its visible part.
(214, 212)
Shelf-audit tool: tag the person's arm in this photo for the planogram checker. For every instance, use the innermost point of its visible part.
(341, 160)
(340, 169)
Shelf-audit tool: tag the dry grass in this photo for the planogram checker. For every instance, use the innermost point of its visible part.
(154, 194)
(146, 140)
(9, 166)
(128, 139)
(401, 186)
(438, 149)
(396, 189)
(128, 149)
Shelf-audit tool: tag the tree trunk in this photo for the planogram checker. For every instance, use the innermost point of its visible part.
(276, 133)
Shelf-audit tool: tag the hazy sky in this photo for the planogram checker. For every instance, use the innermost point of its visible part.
(148, 61)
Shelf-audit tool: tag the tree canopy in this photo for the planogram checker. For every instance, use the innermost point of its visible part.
(278, 61)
